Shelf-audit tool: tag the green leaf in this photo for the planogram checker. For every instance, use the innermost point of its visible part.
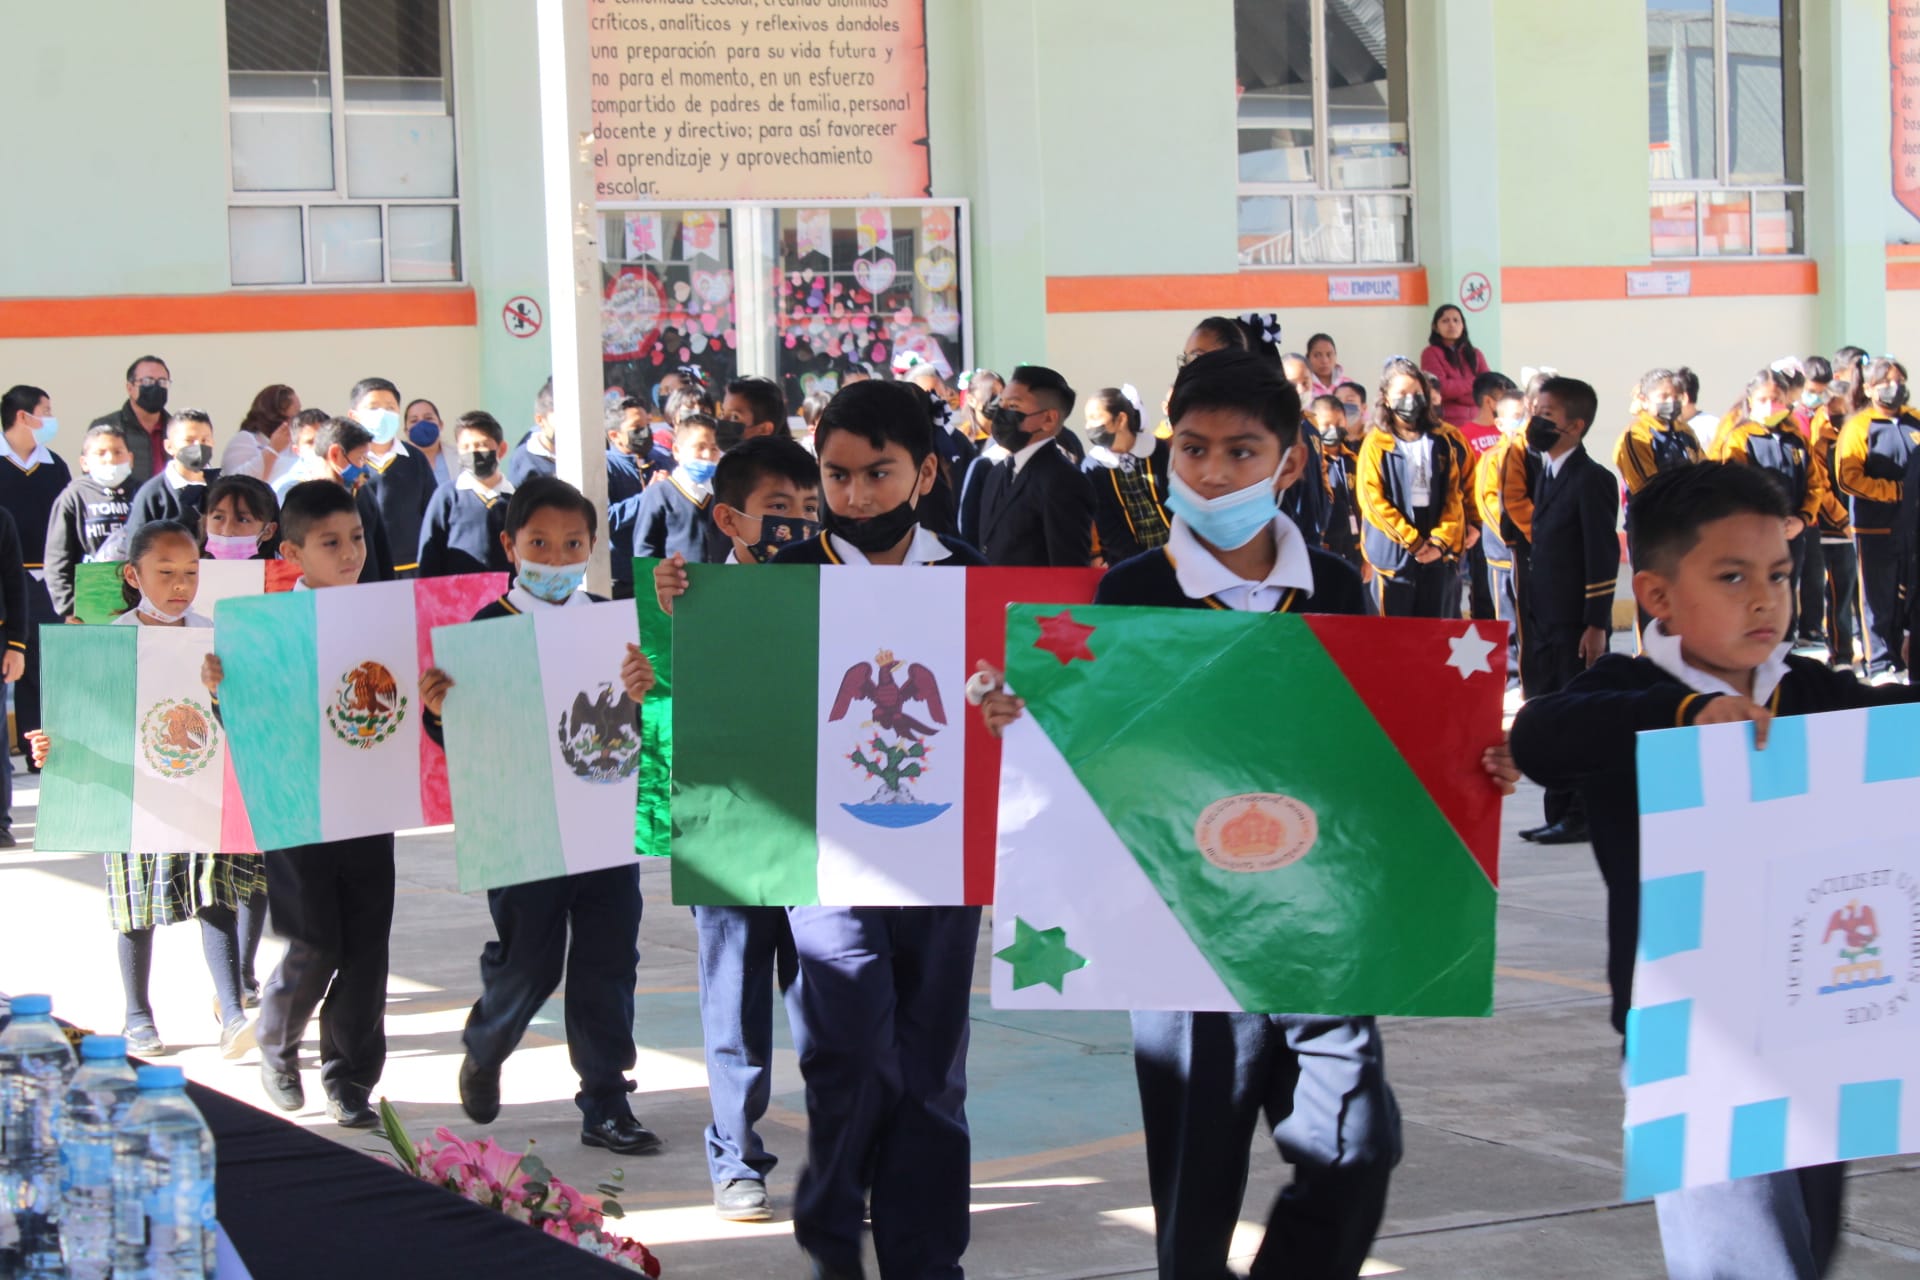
(396, 1136)
(612, 1209)
(535, 1168)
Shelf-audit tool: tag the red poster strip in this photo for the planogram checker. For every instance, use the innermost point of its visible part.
(445, 602)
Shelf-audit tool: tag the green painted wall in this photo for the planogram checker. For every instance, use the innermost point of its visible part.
(1848, 167)
(111, 191)
(1457, 169)
(1571, 77)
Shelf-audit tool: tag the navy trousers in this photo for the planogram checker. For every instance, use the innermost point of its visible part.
(1419, 591)
(1777, 1226)
(884, 995)
(26, 690)
(1206, 1079)
(1843, 580)
(739, 947)
(333, 903)
(1881, 618)
(587, 926)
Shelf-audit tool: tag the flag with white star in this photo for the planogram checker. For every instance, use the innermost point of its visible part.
(1213, 810)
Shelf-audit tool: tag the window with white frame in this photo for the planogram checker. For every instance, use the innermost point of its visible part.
(1724, 128)
(1326, 173)
(341, 133)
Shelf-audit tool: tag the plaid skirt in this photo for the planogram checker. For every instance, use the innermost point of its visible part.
(148, 889)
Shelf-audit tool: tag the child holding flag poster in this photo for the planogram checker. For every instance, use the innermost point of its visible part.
(1205, 1078)
(1713, 569)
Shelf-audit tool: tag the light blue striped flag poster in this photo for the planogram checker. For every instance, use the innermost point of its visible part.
(1774, 1024)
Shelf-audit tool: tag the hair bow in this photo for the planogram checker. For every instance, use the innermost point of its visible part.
(1265, 326)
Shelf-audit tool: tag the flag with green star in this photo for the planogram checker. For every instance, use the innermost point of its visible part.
(1215, 810)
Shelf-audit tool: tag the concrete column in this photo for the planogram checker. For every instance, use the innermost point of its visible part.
(1848, 94)
(1009, 220)
(1457, 160)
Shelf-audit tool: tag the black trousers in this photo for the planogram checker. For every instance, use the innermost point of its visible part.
(1843, 585)
(333, 903)
(26, 691)
(1419, 591)
(1480, 605)
(1880, 611)
(1549, 665)
(1810, 587)
(586, 926)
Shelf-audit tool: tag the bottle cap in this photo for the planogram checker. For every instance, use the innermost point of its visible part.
(28, 1006)
(103, 1047)
(161, 1078)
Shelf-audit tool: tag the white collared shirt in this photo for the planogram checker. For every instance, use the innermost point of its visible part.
(472, 485)
(1665, 650)
(1025, 456)
(699, 493)
(1201, 575)
(1551, 465)
(926, 548)
(177, 481)
(526, 602)
(39, 455)
(380, 462)
(1419, 453)
(536, 448)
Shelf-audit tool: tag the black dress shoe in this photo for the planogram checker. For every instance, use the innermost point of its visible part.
(1564, 833)
(622, 1135)
(352, 1115)
(6, 839)
(821, 1271)
(479, 1091)
(1534, 833)
(742, 1200)
(282, 1087)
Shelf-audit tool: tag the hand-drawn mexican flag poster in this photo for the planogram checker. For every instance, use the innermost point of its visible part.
(1774, 1022)
(321, 701)
(542, 766)
(824, 751)
(97, 597)
(137, 753)
(653, 803)
(1248, 812)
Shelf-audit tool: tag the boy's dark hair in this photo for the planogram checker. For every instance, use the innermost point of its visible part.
(1666, 516)
(1491, 384)
(1048, 387)
(1334, 401)
(763, 398)
(881, 413)
(742, 468)
(313, 418)
(192, 415)
(142, 542)
(255, 495)
(1357, 390)
(19, 400)
(698, 422)
(1689, 382)
(687, 401)
(482, 421)
(1817, 369)
(1651, 380)
(543, 399)
(101, 430)
(345, 432)
(813, 406)
(163, 364)
(616, 416)
(1242, 381)
(548, 493)
(310, 502)
(1223, 330)
(1576, 397)
(367, 386)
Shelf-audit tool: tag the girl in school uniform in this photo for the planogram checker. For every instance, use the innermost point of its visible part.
(146, 890)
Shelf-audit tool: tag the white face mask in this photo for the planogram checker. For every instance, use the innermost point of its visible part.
(112, 474)
(1231, 520)
(147, 609)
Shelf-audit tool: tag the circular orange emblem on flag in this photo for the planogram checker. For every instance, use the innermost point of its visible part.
(1258, 831)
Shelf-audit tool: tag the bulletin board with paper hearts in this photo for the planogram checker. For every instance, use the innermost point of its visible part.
(667, 297)
(865, 287)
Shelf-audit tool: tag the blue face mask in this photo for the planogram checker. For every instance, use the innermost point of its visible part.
(551, 582)
(1230, 521)
(424, 433)
(354, 474)
(699, 471)
(383, 423)
(49, 428)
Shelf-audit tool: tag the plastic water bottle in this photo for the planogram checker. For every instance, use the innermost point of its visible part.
(163, 1184)
(102, 1092)
(36, 1062)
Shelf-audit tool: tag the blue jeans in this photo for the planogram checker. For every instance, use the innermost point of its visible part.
(738, 946)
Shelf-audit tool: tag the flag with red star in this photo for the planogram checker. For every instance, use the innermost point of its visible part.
(1214, 810)
(823, 749)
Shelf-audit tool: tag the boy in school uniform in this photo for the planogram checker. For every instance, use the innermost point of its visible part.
(633, 459)
(884, 992)
(1713, 568)
(674, 517)
(766, 497)
(401, 479)
(752, 407)
(176, 492)
(340, 457)
(90, 511)
(13, 653)
(1573, 567)
(1503, 502)
(1206, 1078)
(587, 924)
(533, 455)
(1339, 451)
(31, 483)
(1657, 439)
(332, 902)
(461, 533)
(1036, 508)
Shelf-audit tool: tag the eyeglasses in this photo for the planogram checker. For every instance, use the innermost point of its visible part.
(153, 382)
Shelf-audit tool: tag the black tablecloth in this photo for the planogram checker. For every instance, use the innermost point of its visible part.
(296, 1206)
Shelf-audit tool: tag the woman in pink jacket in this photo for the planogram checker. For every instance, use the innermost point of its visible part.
(1450, 357)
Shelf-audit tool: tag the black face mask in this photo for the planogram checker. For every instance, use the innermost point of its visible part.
(1411, 409)
(1891, 396)
(194, 457)
(875, 533)
(777, 533)
(1009, 430)
(1542, 434)
(640, 441)
(1666, 409)
(1104, 437)
(151, 399)
(482, 462)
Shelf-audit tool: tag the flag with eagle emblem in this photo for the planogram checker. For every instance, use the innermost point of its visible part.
(1214, 810)
(824, 751)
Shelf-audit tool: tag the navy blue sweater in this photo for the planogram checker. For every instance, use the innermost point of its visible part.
(815, 550)
(629, 473)
(663, 521)
(403, 491)
(523, 464)
(157, 499)
(461, 533)
(29, 495)
(1149, 579)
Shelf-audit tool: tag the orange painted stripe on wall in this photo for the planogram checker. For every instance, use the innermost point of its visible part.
(1240, 291)
(1709, 280)
(269, 312)
(1903, 274)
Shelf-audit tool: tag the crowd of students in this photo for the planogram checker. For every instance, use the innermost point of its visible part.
(1271, 483)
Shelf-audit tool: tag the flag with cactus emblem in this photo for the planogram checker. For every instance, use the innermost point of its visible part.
(1265, 813)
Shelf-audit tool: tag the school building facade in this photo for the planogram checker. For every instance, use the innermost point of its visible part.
(313, 190)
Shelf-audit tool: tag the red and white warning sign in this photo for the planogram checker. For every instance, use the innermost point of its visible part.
(1476, 291)
(521, 315)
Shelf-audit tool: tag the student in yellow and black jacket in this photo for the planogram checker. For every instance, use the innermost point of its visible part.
(1845, 397)
(1869, 464)
(1340, 438)
(1503, 502)
(1479, 596)
(1656, 440)
(1412, 517)
(1764, 435)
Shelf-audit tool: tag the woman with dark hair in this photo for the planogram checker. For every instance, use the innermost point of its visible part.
(263, 446)
(1450, 358)
(425, 433)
